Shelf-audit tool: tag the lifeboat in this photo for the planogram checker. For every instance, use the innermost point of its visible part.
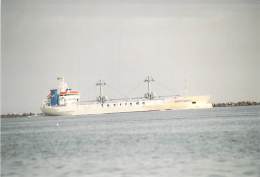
(69, 92)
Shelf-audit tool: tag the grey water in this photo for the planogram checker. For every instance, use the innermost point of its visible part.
(218, 142)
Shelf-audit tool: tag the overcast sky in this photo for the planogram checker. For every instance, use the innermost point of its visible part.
(199, 47)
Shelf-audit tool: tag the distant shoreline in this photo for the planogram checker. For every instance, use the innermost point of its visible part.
(227, 104)
(15, 115)
(232, 104)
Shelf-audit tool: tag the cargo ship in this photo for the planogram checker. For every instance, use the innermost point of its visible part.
(65, 101)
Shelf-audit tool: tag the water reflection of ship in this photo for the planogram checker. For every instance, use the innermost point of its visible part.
(65, 101)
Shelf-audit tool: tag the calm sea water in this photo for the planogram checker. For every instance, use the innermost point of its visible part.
(219, 142)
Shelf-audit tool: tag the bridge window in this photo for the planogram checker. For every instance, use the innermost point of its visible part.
(107, 105)
(114, 104)
(194, 102)
(130, 104)
(137, 103)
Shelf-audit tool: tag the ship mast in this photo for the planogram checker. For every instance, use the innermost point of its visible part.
(149, 94)
(100, 84)
(62, 84)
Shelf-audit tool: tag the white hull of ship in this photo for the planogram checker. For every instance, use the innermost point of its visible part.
(117, 106)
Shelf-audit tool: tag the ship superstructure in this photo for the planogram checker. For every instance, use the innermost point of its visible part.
(65, 101)
(63, 96)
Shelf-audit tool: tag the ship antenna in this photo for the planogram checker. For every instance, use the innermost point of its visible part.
(100, 84)
(149, 94)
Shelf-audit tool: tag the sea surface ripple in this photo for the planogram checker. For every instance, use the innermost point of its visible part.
(218, 142)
